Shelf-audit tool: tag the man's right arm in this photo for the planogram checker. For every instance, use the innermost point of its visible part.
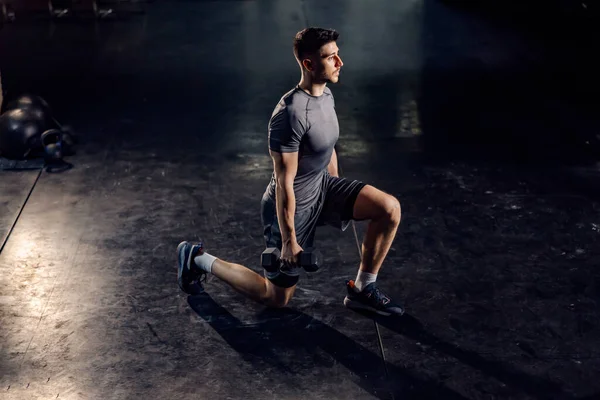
(285, 167)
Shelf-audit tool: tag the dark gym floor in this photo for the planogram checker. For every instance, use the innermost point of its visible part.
(481, 124)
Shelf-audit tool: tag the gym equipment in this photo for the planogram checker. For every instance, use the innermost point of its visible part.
(20, 134)
(52, 142)
(7, 13)
(59, 8)
(100, 9)
(41, 110)
(309, 259)
(28, 100)
(36, 105)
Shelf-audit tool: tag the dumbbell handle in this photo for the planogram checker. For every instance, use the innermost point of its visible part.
(272, 251)
(299, 257)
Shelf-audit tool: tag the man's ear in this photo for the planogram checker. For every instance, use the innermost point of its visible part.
(307, 63)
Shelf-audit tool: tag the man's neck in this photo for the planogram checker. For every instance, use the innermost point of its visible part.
(314, 89)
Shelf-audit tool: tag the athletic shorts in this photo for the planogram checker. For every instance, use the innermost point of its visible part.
(334, 207)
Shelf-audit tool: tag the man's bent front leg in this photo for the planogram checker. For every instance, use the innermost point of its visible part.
(384, 213)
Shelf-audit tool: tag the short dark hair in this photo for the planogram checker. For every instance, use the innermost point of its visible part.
(308, 41)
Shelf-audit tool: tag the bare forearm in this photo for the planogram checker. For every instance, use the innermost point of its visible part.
(286, 209)
(332, 168)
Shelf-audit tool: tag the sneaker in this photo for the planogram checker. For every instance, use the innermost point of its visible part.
(189, 277)
(371, 298)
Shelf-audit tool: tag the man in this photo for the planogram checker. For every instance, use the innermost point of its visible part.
(305, 191)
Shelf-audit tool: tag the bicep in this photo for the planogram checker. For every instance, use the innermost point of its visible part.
(285, 165)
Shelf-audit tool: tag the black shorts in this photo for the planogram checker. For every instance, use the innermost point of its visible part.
(334, 207)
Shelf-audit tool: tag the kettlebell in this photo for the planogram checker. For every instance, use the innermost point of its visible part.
(52, 141)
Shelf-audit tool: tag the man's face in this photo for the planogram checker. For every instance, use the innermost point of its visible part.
(326, 65)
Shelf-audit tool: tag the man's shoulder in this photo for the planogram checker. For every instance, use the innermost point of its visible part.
(291, 107)
(292, 102)
(327, 92)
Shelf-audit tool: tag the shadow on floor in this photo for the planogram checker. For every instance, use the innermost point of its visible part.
(282, 341)
(410, 327)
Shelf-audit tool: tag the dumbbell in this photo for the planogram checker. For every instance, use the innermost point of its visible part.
(309, 259)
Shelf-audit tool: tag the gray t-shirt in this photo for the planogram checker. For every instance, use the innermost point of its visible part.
(309, 125)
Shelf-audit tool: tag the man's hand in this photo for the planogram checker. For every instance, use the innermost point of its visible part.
(290, 254)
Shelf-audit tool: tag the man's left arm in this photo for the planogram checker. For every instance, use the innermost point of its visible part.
(332, 168)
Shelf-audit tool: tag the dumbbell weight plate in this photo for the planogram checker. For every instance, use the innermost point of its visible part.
(270, 259)
(311, 260)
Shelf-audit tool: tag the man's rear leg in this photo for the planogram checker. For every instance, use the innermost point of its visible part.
(252, 285)
(194, 263)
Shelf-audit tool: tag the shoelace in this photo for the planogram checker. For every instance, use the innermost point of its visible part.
(380, 298)
(200, 277)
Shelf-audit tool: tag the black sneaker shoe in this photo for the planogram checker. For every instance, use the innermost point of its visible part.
(371, 299)
(189, 277)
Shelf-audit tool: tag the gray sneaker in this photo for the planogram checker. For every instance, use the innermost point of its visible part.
(189, 277)
(371, 298)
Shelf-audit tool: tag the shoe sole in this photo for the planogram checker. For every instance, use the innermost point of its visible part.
(356, 305)
(193, 288)
(181, 264)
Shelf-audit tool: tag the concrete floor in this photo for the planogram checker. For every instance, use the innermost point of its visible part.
(482, 125)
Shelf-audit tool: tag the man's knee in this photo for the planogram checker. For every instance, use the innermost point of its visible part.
(392, 209)
(279, 297)
(375, 204)
(280, 290)
(274, 302)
